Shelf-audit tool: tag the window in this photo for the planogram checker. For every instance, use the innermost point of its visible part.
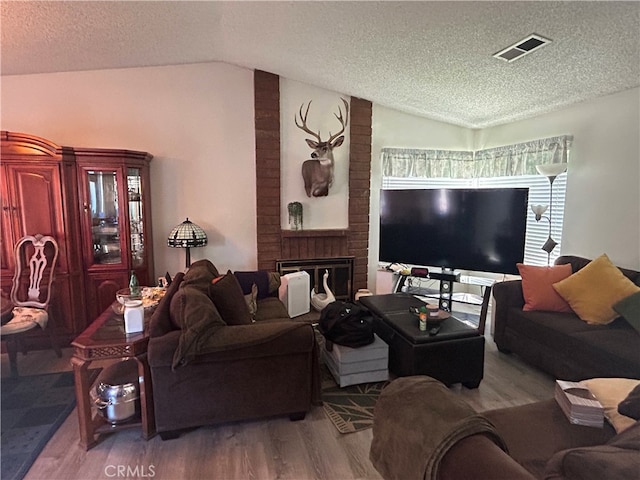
(510, 166)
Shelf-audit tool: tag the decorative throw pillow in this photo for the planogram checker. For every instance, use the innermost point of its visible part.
(629, 308)
(610, 392)
(537, 287)
(199, 319)
(630, 406)
(592, 290)
(226, 294)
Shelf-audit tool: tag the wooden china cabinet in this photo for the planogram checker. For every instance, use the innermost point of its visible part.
(95, 203)
(115, 220)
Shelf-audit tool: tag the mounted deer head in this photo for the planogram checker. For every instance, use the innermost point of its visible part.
(318, 172)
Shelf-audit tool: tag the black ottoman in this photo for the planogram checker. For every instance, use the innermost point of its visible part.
(454, 355)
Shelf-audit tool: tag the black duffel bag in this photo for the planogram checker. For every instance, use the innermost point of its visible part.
(346, 323)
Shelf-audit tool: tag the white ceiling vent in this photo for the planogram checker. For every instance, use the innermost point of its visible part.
(521, 48)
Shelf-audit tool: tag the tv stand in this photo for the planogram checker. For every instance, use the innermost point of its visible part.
(445, 296)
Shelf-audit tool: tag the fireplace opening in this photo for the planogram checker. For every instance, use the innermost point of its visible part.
(340, 270)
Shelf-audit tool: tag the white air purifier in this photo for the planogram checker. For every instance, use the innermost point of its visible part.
(295, 293)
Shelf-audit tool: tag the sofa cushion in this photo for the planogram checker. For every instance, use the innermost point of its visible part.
(537, 287)
(534, 432)
(618, 458)
(570, 349)
(592, 291)
(226, 294)
(629, 308)
(630, 406)
(271, 308)
(594, 463)
(615, 345)
(200, 321)
(610, 392)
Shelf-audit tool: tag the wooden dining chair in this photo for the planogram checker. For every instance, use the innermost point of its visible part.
(31, 293)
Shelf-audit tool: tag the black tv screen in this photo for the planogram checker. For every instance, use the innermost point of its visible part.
(469, 229)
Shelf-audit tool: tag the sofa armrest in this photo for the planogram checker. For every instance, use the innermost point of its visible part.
(417, 420)
(477, 457)
(507, 295)
(160, 324)
(161, 348)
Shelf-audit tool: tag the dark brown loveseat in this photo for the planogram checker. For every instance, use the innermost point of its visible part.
(224, 373)
(421, 430)
(560, 343)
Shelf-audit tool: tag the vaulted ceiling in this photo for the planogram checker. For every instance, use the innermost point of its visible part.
(432, 59)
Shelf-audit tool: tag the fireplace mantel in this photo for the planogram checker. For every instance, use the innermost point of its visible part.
(314, 233)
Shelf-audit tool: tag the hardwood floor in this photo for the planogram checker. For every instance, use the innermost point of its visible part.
(270, 449)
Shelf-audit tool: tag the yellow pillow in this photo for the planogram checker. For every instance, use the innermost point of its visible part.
(610, 392)
(592, 290)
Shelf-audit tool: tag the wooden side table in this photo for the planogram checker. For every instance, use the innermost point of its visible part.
(105, 339)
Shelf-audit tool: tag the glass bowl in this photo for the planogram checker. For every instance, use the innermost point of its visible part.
(124, 295)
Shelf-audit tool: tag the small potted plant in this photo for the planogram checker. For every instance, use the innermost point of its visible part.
(295, 215)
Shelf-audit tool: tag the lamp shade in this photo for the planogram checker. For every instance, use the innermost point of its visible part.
(187, 234)
(551, 169)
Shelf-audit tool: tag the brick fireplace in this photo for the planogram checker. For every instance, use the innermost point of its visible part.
(277, 245)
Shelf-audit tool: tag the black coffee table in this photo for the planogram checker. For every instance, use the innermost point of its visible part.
(454, 355)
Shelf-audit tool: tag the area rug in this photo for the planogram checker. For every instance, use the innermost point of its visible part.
(33, 408)
(350, 409)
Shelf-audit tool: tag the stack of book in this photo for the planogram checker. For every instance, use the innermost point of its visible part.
(579, 404)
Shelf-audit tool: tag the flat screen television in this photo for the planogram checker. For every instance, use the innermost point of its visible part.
(469, 229)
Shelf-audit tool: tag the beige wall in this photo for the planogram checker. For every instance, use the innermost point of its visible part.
(602, 211)
(198, 122)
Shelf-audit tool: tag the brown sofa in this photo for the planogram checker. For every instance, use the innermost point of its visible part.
(422, 430)
(560, 343)
(223, 372)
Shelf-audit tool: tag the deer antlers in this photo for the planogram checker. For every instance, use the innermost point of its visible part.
(304, 122)
(343, 121)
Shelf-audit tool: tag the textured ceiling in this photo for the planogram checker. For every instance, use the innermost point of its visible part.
(432, 59)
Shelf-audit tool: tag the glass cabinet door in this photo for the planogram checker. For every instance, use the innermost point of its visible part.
(136, 218)
(105, 226)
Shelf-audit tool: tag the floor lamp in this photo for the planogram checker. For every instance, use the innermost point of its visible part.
(551, 171)
(187, 235)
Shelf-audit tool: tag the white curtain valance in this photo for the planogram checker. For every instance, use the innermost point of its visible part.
(509, 160)
(401, 162)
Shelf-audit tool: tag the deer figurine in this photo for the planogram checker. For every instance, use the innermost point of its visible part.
(318, 171)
